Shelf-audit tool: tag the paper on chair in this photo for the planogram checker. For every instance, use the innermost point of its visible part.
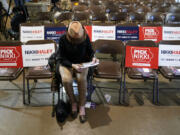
(146, 70)
(88, 64)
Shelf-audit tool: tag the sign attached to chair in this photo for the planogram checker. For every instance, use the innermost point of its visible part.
(150, 33)
(125, 33)
(54, 33)
(89, 31)
(141, 57)
(169, 55)
(36, 55)
(103, 32)
(10, 57)
(171, 33)
(31, 33)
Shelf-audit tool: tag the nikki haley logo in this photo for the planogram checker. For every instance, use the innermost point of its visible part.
(141, 55)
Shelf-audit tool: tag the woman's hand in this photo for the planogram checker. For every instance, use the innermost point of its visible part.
(95, 60)
(77, 67)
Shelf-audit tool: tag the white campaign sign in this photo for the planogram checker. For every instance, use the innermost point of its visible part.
(171, 33)
(169, 55)
(36, 55)
(31, 33)
(103, 32)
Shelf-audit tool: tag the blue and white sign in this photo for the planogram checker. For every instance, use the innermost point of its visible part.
(124, 33)
(54, 33)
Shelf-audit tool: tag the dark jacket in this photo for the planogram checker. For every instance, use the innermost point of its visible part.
(69, 53)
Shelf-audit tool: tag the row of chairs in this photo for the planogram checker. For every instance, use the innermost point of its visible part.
(111, 11)
(114, 68)
(112, 58)
(31, 73)
(119, 17)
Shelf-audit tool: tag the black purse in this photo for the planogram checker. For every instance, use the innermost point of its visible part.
(62, 109)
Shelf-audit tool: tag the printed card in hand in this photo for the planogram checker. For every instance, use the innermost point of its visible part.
(89, 64)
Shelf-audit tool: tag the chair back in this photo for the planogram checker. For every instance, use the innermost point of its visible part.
(172, 18)
(109, 46)
(146, 43)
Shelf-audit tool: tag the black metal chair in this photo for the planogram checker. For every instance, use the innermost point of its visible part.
(138, 73)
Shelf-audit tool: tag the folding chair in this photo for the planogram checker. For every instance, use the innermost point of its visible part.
(98, 17)
(60, 17)
(170, 72)
(174, 9)
(139, 73)
(109, 68)
(35, 73)
(135, 17)
(159, 9)
(11, 74)
(80, 8)
(118, 17)
(172, 18)
(96, 8)
(155, 18)
(81, 16)
(142, 9)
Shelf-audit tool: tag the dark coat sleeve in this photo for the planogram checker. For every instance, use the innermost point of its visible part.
(90, 51)
(61, 57)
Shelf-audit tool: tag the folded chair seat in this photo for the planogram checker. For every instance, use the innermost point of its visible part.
(38, 72)
(170, 72)
(108, 69)
(10, 73)
(141, 73)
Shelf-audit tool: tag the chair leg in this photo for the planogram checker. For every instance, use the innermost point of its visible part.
(29, 94)
(157, 90)
(124, 89)
(154, 88)
(100, 95)
(24, 91)
(90, 89)
(53, 104)
(120, 91)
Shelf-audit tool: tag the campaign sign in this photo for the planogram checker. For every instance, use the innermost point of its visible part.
(124, 33)
(36, 55)
(31, 33)
(10, 57)
(103, 32)
(54, 33)
(150, 33)
(141, 57)
(169, 55)
(89, 31)
(171, 33)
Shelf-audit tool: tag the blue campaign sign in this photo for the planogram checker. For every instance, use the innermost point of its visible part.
(125, 33)
(54, 33)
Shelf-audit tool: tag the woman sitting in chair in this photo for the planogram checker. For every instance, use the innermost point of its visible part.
(74, 49)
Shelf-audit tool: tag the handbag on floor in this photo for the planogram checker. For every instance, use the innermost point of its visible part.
(62, 109)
